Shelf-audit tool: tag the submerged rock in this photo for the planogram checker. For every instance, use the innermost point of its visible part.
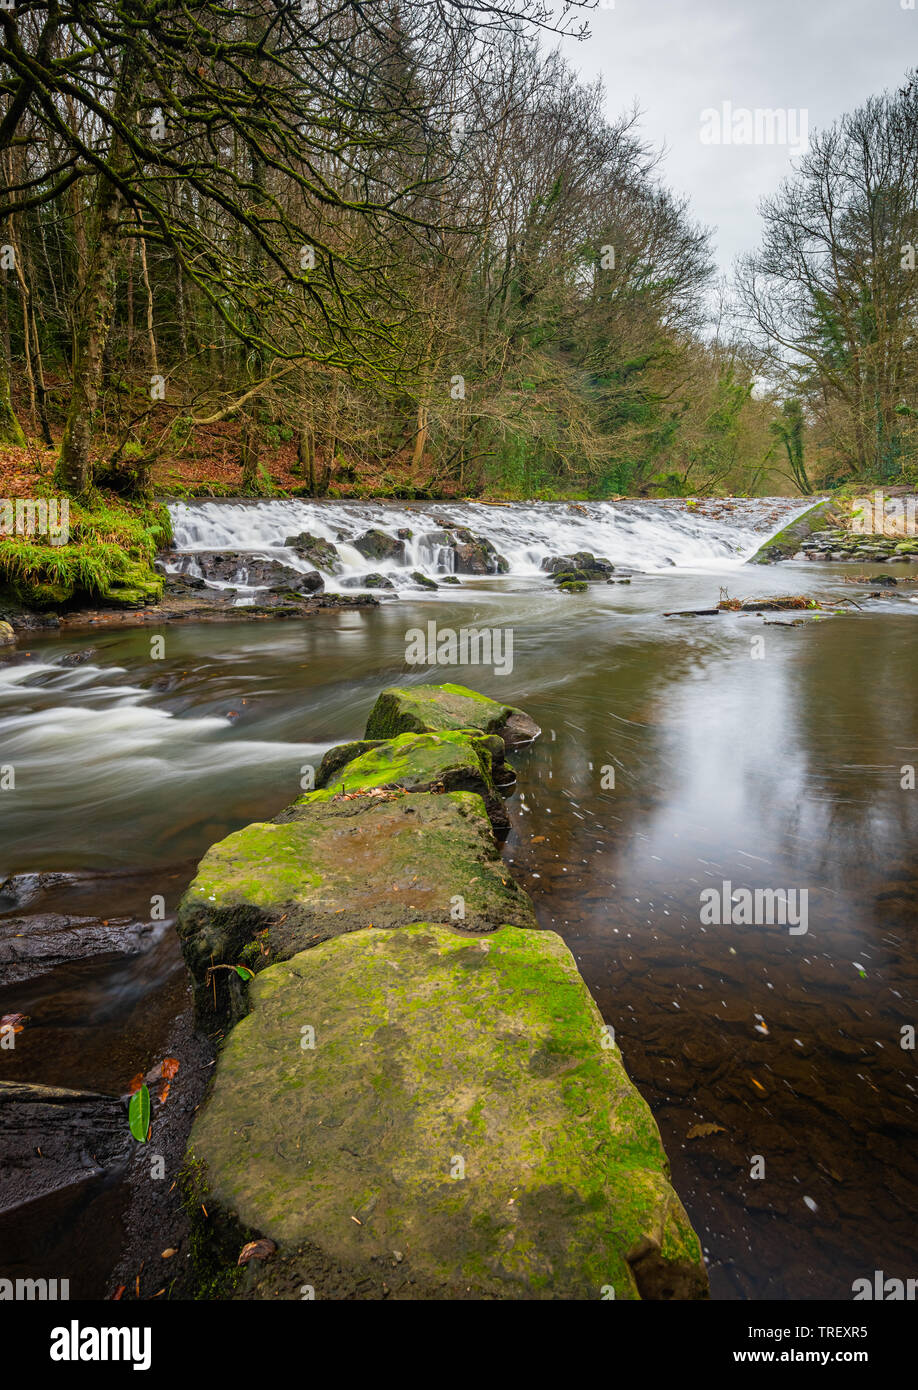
(424, 709)
(582, 565)
(336, 863)
(455, 1103)
(368, 581)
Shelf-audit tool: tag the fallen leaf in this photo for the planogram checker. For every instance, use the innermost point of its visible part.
(167, 1254)
(164, 1093)
(170, 1066)
(136, 1083)
(139, 1115)
(14, 1021)
(119, 1291)
(256, 1250)
(702, 1131)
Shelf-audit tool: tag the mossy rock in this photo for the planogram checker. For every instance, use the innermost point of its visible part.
(433, 709)
(822, 516)
(7, 635)
(445, 762)
(454, 1118)
(424, 580)
(334, 864)
(573, 586)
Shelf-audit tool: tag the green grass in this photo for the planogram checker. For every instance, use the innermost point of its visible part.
(108, 558)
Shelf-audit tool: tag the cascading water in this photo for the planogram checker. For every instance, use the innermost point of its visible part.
(647, 536)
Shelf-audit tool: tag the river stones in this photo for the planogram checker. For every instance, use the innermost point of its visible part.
(333, 864)
(445, 762)
(435, 708)
(476, 554)
(582, 565)
(319, 552)
(445, 1106)
(376, 545)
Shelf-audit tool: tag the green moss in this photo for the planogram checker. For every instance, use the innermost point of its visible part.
(573, 586)
(435, 709)
(215, 1238)
(108, 558)
(420, 1060)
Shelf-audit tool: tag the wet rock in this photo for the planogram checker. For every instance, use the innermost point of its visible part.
(423, 580)
(31, 946)
(424, 709)
(51, 1138)
(7, 635)
(368, 581)
(476, 555)
(376, 545)
(584, 565)
(77, 658)
(321, 553)
(482, 1049)
(255, 571)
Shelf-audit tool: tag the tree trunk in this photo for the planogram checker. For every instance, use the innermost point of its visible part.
(95, 308)
(10, 428)
(249, 456)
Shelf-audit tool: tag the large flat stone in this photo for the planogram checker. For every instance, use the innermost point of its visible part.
(458, 1123)
(332, 864)
(423, 709)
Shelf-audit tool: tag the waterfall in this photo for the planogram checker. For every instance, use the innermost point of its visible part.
(647, 536)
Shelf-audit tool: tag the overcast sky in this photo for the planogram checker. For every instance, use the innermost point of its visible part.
(680, 57)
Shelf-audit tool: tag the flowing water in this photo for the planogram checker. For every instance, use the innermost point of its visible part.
(677, 754)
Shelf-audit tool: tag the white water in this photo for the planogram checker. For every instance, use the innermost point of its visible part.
(647, 536)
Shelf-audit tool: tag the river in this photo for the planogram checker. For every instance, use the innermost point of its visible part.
(677, 754)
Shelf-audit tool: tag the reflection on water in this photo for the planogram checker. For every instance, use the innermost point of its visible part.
(779, 772)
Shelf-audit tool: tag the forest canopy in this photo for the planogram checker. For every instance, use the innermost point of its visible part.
(408, 242)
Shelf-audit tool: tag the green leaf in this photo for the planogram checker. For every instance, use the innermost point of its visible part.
(139, 1114)
(244, 972)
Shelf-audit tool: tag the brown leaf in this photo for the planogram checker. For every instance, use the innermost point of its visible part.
(702, 1131)
(136, 1083)
(164, 1093)
(256, 1250)
(15, 1021)
(170, 1066)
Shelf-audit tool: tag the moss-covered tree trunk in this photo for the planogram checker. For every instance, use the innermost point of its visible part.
(93, 320)
(10, 428)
